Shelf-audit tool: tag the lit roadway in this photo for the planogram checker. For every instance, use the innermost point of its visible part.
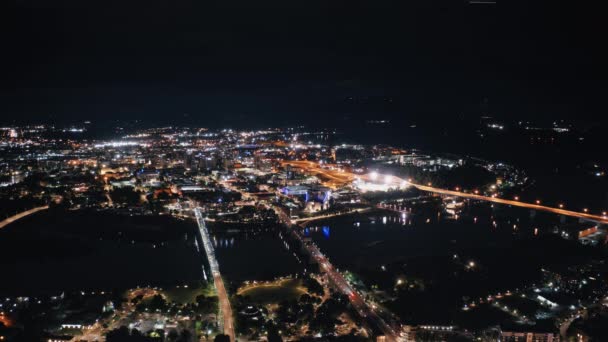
(225, 309)
(342, 285)
(336, 177)
(335, 277)
(597, 218)
(305, 220)
(21, 215)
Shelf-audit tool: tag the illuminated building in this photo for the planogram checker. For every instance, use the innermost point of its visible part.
(510, 336)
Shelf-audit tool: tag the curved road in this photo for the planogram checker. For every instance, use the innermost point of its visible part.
(21, 215)
(597, 218)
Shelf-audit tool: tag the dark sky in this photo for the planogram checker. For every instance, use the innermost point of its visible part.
(284, 61)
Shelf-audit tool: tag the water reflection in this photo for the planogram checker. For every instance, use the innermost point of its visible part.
(255, 255)
(223, 242)
(359, 240)
(326, 232)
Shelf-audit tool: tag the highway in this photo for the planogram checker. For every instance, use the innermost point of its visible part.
(342, 178)
(21, 215)
(226, 322)
(582, 215)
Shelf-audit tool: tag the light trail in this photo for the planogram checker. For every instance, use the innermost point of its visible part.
(226, 323)
(582, 215)
(343, 286)
(348, 177)
(21, 215)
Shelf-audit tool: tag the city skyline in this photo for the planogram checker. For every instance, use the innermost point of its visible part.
(361, 171)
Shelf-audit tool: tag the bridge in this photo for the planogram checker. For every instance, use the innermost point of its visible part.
(334, 276)
(339, 178)
(21, 215)
(338, 281)
(225, 321)
(515, 203)
(303, 221)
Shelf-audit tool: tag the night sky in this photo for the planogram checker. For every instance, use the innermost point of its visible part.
(250, 62)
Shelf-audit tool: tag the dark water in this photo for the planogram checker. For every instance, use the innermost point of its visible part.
(370, 240)
(253, 255)
(508, 248)
(51, 252)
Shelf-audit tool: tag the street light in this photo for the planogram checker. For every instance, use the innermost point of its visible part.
(373, 175)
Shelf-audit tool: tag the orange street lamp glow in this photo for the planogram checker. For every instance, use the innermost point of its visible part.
(517, 198)
(561, 205)
(537, 202)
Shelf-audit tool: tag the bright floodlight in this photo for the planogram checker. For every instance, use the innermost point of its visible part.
(387, 179)
(373, 175)
(404, 184)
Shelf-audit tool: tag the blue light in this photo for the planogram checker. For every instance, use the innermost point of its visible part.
(326, 231)
(327, 196)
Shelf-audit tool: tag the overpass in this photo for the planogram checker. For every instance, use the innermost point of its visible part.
(341, 178)
(559, 211)
(225, 322)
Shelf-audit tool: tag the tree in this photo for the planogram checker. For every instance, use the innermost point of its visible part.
(123, 334)
(313, 286)
(126, 195)
(172, 335)
(137, 299)
(273, 334)
(206, 304)
(185, 336)
(158, 302)
(221, 338)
